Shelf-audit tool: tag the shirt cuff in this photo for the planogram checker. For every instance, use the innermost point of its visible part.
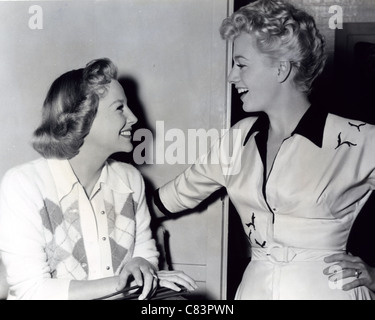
(159, 204)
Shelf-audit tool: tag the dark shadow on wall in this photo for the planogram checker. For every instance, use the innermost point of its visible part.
(157, 224)
(160, 234)
(361, 240)
(163, 235)
(355, 87)
(135, 104)
(354, 71)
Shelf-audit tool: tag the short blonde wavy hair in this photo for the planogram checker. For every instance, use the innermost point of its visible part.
(70, 108)
(284, 32)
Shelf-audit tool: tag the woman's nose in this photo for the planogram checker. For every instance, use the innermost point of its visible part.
(233, 76)
(132, 119)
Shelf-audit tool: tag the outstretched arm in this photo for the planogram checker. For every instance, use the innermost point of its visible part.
(193, 185)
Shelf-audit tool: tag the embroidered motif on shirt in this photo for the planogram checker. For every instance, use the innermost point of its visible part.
(251, 226)
(252, 223)
(340, 143)
(358, 126)
(261, 245)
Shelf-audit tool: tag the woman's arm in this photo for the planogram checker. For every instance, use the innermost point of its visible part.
(22, 240)
(142, 271)
(139, 269)
(196, 183)
(144, 265)
(92, 289)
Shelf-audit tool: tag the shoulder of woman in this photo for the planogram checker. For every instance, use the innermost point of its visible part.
(356, 126)
(245, 123)
(27, 181)
(357, 132)
(124, 170)
(26, 173)
(243, 127)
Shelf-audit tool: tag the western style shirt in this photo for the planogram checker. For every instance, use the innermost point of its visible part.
(320, 179)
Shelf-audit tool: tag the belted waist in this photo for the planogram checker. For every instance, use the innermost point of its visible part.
(280, 254)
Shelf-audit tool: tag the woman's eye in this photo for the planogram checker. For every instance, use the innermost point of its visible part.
(240, 65)
(121, 108)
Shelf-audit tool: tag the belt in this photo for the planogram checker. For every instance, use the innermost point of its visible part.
(280, 254)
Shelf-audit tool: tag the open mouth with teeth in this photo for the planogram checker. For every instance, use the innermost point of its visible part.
(126, 133)
(242, 92)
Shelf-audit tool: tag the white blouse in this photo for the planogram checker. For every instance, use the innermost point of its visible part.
(51, 232)
(303, 211)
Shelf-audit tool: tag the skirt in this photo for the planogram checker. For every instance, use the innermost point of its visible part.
(285, 273)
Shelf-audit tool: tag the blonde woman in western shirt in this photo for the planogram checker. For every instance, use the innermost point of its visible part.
(298, 176)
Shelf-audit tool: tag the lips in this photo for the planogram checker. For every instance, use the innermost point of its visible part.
(242, 92)
(126, 133)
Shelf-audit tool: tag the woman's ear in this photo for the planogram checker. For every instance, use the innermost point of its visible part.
(284, 70)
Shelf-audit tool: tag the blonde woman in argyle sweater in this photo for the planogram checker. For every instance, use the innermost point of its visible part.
(74, 224)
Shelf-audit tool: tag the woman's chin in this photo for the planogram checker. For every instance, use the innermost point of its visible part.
(248, 108)
(128, 147)
(252, 107)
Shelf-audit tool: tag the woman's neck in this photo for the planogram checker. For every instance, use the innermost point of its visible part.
(285, 116)
(87, 168)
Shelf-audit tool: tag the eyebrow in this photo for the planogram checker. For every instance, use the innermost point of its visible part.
(240, 57)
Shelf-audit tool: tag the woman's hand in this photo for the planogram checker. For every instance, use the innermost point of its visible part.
(346, 266)
(170, 279)
(144, 275)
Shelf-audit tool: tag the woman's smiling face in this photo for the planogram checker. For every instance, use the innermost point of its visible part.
(253, 74)
(111, 129)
